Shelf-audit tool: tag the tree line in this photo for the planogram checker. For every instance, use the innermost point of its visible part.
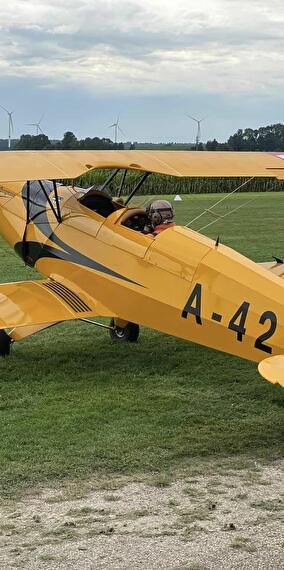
(269, 138)
(69, 142)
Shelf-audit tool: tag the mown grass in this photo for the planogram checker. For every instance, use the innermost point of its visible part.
(73, 404)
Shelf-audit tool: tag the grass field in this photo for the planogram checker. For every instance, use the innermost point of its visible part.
(74, 404)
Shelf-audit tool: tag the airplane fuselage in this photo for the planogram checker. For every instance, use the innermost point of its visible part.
(180, 283)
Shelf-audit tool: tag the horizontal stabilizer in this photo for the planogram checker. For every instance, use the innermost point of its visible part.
(276, 267)
(272, 369)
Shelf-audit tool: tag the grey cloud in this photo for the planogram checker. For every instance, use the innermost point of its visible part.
(140, 44)
(127, 42)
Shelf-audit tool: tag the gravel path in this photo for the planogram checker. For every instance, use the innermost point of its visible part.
(233, 521)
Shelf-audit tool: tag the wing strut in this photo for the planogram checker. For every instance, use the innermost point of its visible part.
(120, 188)
(56, 210)
(59, 218)
(27, 222)
(137, 186)
(109, 179)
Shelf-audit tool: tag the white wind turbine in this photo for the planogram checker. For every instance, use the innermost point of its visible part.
(37, 126)
(10, 125)
(116, 128)
(198, 134)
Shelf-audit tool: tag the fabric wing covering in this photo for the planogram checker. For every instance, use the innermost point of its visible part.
(39, 302)
(16, 166)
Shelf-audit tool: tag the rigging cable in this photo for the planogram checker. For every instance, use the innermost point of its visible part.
(219, 201)
(237, 208)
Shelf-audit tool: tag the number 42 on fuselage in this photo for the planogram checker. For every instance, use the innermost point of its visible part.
(97, 261)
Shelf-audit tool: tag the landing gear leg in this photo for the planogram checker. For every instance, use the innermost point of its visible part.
(5, 343)
(128, 333)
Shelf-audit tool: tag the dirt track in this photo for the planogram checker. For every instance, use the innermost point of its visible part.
(230, 521)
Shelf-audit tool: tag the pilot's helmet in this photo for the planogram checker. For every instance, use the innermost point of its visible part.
(160, 212)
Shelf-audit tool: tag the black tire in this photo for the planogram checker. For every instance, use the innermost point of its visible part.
(5, 343)
(130, 333)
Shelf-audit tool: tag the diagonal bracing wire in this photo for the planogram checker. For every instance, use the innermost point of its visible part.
(219, 201)
(227, 214)
(237, 208)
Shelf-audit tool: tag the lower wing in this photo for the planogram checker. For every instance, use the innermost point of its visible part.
(35, 303)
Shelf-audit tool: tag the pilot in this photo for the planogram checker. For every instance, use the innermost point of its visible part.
(160, 214)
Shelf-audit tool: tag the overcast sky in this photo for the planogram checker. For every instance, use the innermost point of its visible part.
(84, 62)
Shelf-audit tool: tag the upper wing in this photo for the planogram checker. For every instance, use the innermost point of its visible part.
(38, 165)
(39, 302)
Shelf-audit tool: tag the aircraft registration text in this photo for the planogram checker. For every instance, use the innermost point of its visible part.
(237, 321)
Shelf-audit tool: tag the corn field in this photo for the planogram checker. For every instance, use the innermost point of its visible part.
(161, 184)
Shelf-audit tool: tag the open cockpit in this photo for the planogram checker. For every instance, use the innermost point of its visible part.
(100, 201)
(103, 204)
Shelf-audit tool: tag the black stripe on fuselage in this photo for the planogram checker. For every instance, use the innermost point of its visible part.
(38, 204)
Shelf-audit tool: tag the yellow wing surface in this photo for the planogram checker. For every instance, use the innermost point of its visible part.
(33, 303)
(38, 165)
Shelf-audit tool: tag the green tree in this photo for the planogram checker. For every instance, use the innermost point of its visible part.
(69, 141)
(236, 141)
(269, 139)
(212, 145)
(30, 142)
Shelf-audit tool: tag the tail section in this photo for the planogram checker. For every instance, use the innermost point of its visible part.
(272, 369)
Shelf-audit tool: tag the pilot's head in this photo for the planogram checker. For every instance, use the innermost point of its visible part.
(160, 212)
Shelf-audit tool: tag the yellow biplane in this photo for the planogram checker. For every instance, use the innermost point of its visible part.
(98, 262)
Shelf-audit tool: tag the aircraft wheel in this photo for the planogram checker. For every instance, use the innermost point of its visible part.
(130, 333)
(5, 343)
